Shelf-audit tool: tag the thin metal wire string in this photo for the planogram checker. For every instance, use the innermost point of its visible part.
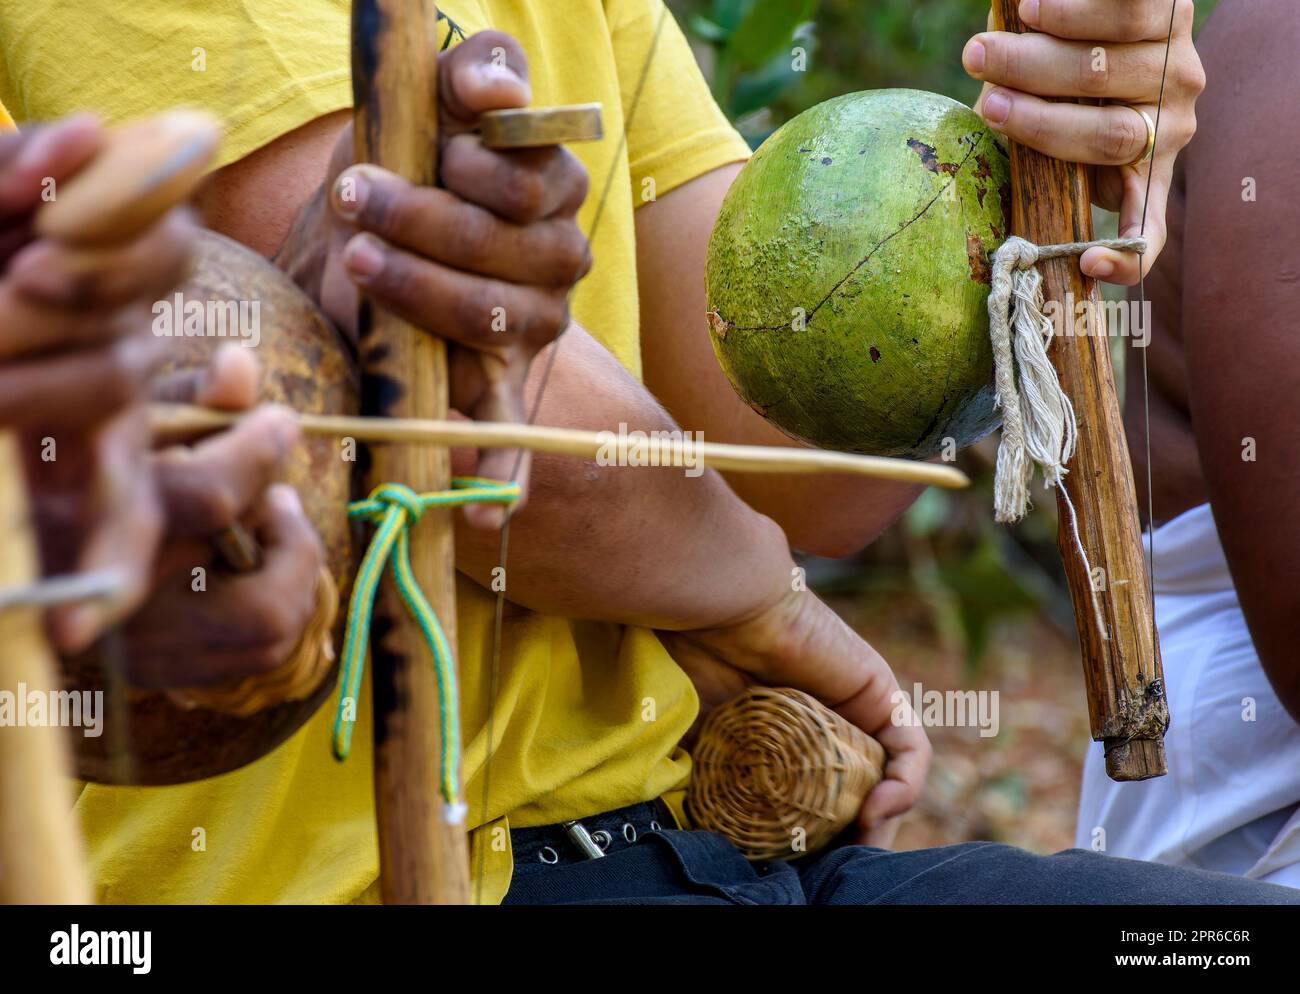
(494, 669)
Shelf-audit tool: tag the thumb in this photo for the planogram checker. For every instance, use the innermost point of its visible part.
(1126, 268)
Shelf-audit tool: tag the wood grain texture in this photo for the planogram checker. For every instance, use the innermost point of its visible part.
(423, 859)
(1051, 203)
(40, 852)
(527, 127)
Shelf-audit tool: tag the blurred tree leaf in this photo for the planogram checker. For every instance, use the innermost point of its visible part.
(928, 514)
(729, 13)
(706, 30)
(756, 90)
(986, 591)
(768, 29)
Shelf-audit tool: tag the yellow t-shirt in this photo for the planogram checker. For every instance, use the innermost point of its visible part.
(587, 715)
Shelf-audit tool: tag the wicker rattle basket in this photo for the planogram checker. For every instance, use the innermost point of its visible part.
(779, 774)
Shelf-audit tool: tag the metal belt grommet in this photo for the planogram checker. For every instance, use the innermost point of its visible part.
(629, 831)
(548, 855)
(602, 839)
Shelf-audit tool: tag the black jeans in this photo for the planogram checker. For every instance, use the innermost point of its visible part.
(646, 863)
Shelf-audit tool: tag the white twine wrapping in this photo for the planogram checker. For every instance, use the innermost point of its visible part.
(1038, 422)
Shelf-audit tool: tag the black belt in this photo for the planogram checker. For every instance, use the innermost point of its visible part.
(589, 838)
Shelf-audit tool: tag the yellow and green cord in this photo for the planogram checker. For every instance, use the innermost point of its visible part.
(394, 508)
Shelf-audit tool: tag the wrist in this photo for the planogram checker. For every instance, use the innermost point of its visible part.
(772, 572)
(798, 641)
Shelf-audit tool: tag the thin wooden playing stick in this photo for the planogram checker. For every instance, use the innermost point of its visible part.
(1052, 204)
(41, 859)
(181, 419)
(423, 856)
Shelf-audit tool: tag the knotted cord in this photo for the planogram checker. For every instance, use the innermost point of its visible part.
(394, 508)
(1038, 422)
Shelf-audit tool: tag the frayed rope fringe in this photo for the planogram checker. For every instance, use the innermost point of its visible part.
(1038, 421)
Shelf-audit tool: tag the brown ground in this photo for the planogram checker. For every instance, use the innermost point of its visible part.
(1020, 786)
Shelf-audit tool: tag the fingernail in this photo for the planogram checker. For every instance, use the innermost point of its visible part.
(973, 57)
(81, 626)
(493, 73)
(286, 498)
(33, 271)
(487, 517)
(1029, 12)
(35, 151)
(286, 432)
(997, 107)
(350, 192)
(1102, 269)
(363, 257)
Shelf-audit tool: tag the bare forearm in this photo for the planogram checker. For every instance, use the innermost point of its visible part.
(1241, 347)
(823, 515)
(831, 516)
(641, 545)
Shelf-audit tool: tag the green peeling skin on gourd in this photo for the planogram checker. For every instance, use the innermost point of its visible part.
(893, 355)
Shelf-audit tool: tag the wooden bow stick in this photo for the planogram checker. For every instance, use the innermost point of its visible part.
(423, 857)
(422, 854)
(1052, 204)
(187, 419)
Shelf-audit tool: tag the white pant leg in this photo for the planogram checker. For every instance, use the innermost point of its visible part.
(1231, 800)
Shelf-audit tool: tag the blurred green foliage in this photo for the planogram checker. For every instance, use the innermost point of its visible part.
(768, 60)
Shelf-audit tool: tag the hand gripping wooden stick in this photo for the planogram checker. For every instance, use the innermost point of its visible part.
(114, 197)
(1052, 204)
(423, 857)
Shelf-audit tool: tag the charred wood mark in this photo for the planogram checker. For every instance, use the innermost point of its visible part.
(389, 698)
(367, 29)
(365, 321)
(379, 393)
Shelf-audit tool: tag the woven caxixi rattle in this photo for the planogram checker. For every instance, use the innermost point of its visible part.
(779, 774)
